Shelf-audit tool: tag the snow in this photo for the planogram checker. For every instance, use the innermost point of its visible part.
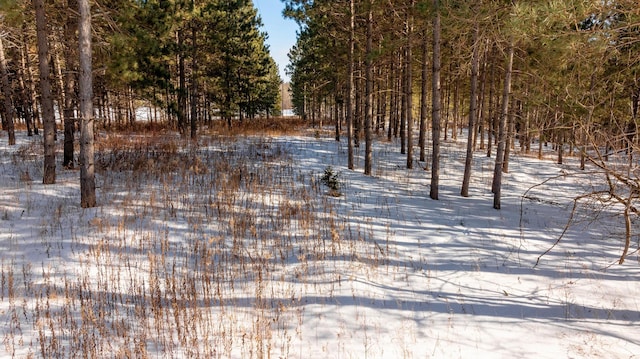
(250, 257)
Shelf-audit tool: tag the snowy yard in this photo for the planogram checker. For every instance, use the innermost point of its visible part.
(234, 249)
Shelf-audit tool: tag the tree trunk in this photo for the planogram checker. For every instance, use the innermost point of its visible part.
(69, 88)
(351, 86)
(25, 93)
(368, 92)
(194, 84)
(336, 113)
(482, 111)
(491, 119)
(409, 87)
(473, 104)
(32, 83)
(404, 102)
(85, 84)
(58, 88)
(456, 109)
(446, 101)
(8, 105)
(497, 171)
(380, 101)
(423, 96)
(511, 128)
(397, 58)
(357, 136)
(182, 89)
(435, 110)
(46, 100)
(393, 106)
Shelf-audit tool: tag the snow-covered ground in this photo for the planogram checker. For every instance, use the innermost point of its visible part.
(235, 249)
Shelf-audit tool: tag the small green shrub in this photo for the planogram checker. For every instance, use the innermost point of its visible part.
(331, 179)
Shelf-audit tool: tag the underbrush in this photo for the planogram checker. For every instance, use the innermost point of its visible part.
(197, 252)
(267, 247)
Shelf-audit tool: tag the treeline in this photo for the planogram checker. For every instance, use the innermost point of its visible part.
(413, 65)
(565, 73)
(187, 62)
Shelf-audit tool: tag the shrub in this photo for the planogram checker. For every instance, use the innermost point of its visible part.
(331, 179)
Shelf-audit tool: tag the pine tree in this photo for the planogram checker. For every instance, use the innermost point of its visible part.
(46, 100)
(435, 104)
(87, 161)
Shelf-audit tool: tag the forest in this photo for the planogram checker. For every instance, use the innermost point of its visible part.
(559, 72)
(188, 62)
(461, 179)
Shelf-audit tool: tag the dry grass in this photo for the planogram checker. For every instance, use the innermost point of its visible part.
(196, 251)
(275, 126)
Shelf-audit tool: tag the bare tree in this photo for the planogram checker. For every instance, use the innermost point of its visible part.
(85, 83)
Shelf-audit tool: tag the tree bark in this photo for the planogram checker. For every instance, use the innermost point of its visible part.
(481, 120)
(497, 171)
(85, 84)
(336, 113)
(368, 136)
(435, 110)
(357, 115)
(69, 89)
(473, 104)
(46, 100)
(409, 87)
(510, 136)
(403, 99)
(423, 97)
(350, 87)
(194, 84)
(182, 83)
(491, 119)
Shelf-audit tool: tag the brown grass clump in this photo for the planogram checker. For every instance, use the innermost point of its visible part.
(273, 126)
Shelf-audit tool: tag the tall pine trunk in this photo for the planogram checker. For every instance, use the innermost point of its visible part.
(409, 87)
(69, 88)
(194, 84)
(336, 113)
(403, 99)
(368, 136)
(423, 97)
(182, 86)
(351, 86)
(435, 110)
(491, 119)
(46, 99)
(473, 104)
(392, 98)
(502, 140)
(85, 84)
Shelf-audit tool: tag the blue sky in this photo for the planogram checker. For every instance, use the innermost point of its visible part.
(282, 32)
